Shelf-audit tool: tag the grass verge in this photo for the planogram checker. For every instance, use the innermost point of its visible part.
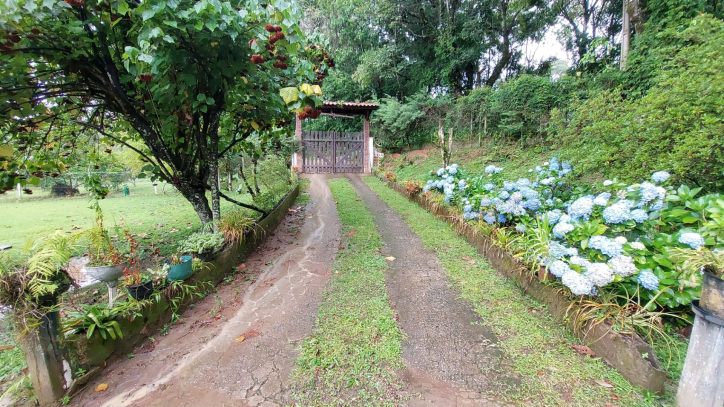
(356, 347)
(539, 349)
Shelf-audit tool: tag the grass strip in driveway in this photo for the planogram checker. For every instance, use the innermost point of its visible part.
(356, 347)
(538, 348)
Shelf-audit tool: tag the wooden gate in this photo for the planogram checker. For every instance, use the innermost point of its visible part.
(332, 151)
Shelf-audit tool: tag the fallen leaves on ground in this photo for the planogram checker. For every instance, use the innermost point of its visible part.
(240, 339)
(252, 333)
(468, 259)
(352, 233)
(102, 387)
(241, 267)
(605, 384)
(390, 258)
(584, 350)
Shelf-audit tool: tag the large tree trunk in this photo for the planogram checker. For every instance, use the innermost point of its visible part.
(197, 197)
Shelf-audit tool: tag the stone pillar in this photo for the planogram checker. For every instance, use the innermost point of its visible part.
(49, 371)
(366, 145)
(297, 157)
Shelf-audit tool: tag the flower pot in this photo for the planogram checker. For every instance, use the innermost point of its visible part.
(712, 295)
(545, 275)
(179, 272)
(108, 275)
(105, 274)
(141, 292)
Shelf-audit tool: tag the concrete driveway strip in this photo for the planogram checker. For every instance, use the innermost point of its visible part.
(275, 313)
(448, 355)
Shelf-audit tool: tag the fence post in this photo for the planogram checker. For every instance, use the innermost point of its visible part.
(702, 380)
(49, 372)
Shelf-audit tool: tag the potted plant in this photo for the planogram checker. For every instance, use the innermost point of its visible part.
(179, 267)
(711, 264)
(105, 262)
(202, 244)
(138, 283)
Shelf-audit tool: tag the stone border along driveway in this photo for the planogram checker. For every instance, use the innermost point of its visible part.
(534, 345)
(451, 359)
(205, 361)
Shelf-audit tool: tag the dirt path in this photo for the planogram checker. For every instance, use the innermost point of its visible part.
(201, 363)
(451, 359)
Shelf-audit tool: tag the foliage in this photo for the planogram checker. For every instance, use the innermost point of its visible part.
(398, 124)
(191, 81)
(94, 318)
(622, 238)
(675, 125)
(235, 224)
(45, 272)
(201, 243)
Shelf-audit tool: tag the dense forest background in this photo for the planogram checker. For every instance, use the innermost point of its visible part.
(462, 64)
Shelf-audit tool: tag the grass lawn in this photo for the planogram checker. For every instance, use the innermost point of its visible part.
(161, 220)
(356, 346)
(538, 347)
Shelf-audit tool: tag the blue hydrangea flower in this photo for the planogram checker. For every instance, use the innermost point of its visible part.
(516, 196)
(560, 230)
(563, 172)
(648, 280)
(496, 201)
(553, 216)
(617, 213)
(571, 251)
(609, 247)
(639, 215)
(452, 170)
(484, 202)
(489, 187)
(521, 228)
(660, 176)
(462, 184)
(491, 169)
(658, 205)
(508, 186)
(554, 166)
(577, 283)
(566, 166)
(447, 199)
(440, 172)
(529, 193)
(558, 268)
(691, 239)
(504, 195)
(489, 218)
(581, 208)
(565, 218)
(502, 218)
(649, 192)
(467, 208)
(531, 204)
(449, 180)
(426, 188)
(602, 199)
(548, 181)
(522, 183)
(556, 250)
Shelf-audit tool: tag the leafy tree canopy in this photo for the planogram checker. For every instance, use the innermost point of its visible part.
(192, 80)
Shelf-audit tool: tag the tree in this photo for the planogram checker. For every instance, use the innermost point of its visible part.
(190, 79)
(586, 20)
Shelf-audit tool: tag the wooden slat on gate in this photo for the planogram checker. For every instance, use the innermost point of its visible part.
(327, 151)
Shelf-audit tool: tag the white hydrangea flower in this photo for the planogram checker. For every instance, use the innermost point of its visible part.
(577, 283)
(621, 240)
(607, 183)
(637, 246)
(600, 274)
(622, 265)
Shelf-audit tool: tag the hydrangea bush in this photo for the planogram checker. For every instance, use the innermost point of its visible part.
(608, 236)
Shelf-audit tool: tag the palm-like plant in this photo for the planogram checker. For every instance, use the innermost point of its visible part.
(46, 270)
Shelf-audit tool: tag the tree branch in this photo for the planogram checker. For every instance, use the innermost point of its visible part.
(252, 207)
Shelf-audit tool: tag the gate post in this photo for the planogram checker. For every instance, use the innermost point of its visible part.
(296, 157)
(366, 144)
